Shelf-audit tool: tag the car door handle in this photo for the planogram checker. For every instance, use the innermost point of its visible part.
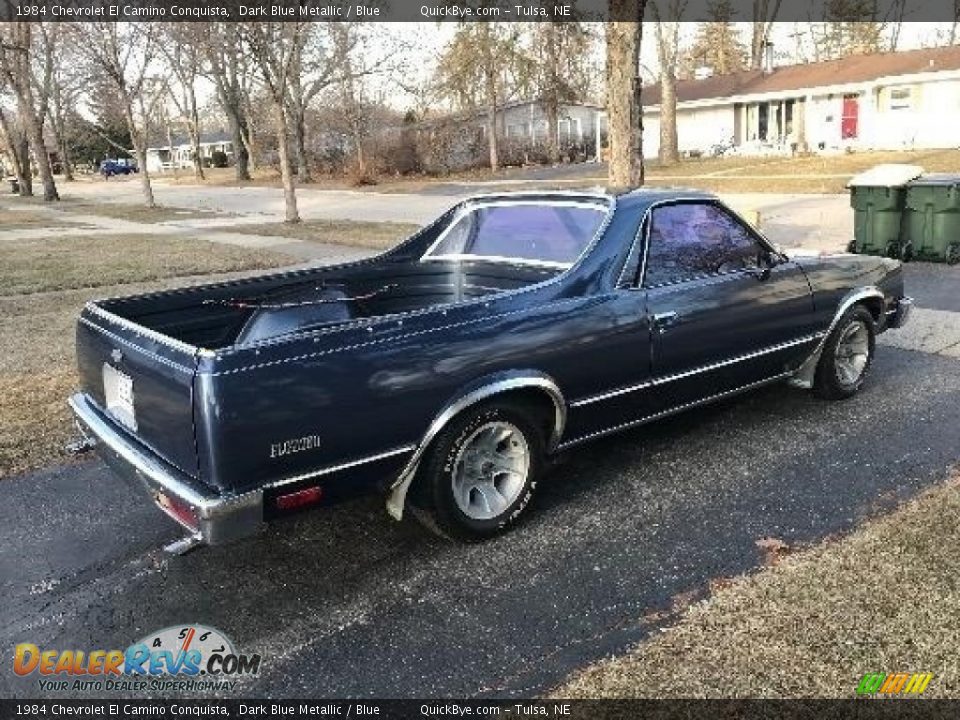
(661, 321)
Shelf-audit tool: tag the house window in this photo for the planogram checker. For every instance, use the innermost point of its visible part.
(901, 98)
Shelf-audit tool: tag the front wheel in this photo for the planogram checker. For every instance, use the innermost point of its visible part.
(481, 472)
(846, 356)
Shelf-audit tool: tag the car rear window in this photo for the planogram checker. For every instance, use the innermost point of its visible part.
(542, 233)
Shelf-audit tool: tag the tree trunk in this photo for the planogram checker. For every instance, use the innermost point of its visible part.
(241, 161)
(300, 136)
(195, 147)
(552, 104)
(624, 127)
(669, 148)
(553, 130)
(286, 171)
(19, 154)
(249, 144)
(492, 140)
(140, 150)
(25, 177)
(65, 158)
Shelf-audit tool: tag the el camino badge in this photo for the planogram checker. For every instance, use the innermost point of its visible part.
(289, 447)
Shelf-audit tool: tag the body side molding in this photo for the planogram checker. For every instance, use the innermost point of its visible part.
(526, 380)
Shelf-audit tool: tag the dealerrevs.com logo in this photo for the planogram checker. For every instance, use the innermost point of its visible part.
(181, 658)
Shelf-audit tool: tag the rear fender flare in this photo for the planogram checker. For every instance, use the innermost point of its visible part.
(471, 395)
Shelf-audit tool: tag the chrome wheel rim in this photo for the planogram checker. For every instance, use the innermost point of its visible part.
(853, 352)
(490, 470)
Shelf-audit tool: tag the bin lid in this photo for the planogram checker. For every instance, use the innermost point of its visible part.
(889, 175)
(937, 179)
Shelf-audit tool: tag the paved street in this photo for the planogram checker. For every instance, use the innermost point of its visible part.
(819, 221)
(345, 602)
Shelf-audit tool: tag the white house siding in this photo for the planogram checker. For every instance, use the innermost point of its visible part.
(822, 121)
(698, 129)
(927, 119)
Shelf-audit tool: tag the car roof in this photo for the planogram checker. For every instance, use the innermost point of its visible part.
(641, 194)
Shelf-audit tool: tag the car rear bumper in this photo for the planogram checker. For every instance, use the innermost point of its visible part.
(898, 315)
(212, 518)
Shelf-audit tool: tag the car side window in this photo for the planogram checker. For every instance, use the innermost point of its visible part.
(691, 240)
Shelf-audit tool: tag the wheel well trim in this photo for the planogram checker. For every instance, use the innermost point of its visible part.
(804, 376)
(396, 498)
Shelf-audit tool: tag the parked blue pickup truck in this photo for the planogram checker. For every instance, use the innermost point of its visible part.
(446, 372)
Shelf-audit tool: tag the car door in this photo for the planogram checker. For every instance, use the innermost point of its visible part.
(725, 309)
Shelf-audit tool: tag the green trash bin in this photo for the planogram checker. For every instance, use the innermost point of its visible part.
(877, 197)
(877, 216)
(932, 218)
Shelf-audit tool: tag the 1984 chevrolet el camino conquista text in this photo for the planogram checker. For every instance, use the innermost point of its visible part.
(447, 371)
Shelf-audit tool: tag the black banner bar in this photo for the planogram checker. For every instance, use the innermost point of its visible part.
(429, 10)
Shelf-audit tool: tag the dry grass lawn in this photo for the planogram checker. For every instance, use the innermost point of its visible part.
(61, 263)
(12, 219)
(132, 213)
(116, 211)
(377, 235)
(884, 599)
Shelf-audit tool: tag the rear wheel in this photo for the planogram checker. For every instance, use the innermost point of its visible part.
(481, 472)
(846, 356)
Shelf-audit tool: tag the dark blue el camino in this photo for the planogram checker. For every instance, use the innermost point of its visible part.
(445, 372)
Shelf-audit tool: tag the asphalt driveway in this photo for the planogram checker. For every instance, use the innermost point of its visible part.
(345, 602)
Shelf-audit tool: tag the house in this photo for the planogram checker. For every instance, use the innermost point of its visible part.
(177, 153)
(525, 122)
(881, 101)
(459, 141)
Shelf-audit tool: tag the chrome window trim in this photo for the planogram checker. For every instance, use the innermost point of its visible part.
(646, 223)
(611, 211)
(653, 382)
(673, 411)
(471, 206)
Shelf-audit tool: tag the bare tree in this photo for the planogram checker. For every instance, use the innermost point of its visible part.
(125, 53)
(227, 66)
(334, 54)
(478, 69)
(625, 126)
(62, 86)
(18, 149)
(561, 73)
(181, 48)
(952, 32)
(667, 14)
(764, 15)
(16, 51)
(273, 46)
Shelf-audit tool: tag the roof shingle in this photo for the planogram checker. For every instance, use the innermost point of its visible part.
(852, 69)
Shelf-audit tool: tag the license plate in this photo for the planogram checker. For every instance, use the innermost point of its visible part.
(118, 393)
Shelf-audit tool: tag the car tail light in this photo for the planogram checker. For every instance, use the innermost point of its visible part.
(300, 498)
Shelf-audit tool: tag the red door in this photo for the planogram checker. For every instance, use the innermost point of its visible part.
(848, 121)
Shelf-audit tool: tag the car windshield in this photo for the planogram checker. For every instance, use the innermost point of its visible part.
(548, 233)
